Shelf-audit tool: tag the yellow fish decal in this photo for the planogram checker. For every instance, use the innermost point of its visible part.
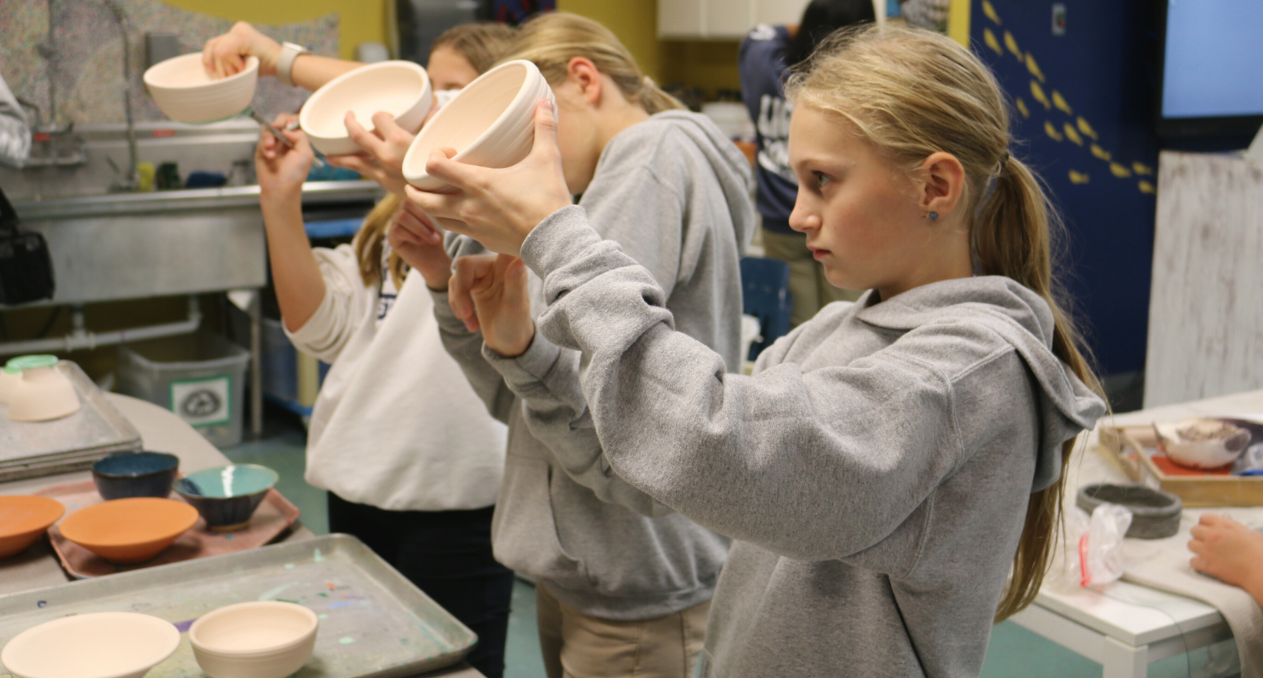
(992, 42)
(1060, 102)
(1052, 131)
(990, 12)
(1119, 171)
(1141, 169)
(1146, 187)
(1038, 93)
(1011, 43)
(1071, 134)
(1021, 107)
(1101, 153)
(1078, 177)
(1086, 129)
(1033, 67)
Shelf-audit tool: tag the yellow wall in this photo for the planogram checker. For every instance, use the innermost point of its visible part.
(360, 20)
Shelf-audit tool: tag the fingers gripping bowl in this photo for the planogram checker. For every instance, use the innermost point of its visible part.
(490, 123)
(400, 88)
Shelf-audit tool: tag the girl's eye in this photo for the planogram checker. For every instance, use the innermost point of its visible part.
(821, 178)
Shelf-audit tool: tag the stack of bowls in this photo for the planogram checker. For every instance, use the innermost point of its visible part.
(400, 88)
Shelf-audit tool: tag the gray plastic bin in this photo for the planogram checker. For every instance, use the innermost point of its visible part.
(200, 377)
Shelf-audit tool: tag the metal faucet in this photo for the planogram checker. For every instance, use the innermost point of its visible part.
(130, 181)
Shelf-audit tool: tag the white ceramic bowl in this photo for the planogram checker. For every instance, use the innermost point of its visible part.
(186, 92)
(9, 378)
(43, 393)
(1201, 443)
(400, 88)
(97, 645)
(267, 639)
(491, 122)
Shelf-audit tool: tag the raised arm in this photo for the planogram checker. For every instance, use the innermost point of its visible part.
(226, 54)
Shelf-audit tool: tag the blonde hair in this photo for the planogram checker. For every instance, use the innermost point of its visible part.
(552, 39)
(910, 93)
(481, 44)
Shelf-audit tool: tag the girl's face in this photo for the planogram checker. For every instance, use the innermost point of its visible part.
(449, 70)
(862, 216)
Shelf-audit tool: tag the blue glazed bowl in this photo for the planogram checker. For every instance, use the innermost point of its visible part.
(135, 474)
(227, 496)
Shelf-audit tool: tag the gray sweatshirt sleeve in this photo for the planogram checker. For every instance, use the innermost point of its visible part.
(809, 465)
(466, 348)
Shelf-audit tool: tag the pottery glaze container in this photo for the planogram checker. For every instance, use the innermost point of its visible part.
(96, 645)
(400, 88)
(42, 393)
(265, 639)
(490, 123)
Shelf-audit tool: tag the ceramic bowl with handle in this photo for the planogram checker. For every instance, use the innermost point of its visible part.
(24, 519)
(400, 88)
(264, 639)
(129, 530)
(227, 496)
(95, 645)
(135, 473)
(187, 93)
(490, 123)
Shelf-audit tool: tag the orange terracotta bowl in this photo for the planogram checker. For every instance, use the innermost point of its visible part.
(129, 530)
(23, 519)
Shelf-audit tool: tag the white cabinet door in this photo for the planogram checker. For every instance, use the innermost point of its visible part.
(779, 11)
(728, 19)
(680, 18)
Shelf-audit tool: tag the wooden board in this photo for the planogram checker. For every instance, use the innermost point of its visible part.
(1134, 449)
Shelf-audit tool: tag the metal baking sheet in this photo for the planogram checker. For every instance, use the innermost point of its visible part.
(373, 621)
(34, 449)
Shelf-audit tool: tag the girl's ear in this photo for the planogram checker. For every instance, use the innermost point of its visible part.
(584, 74)
(942, 183)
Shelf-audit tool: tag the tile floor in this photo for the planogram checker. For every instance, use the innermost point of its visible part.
(1013, 651)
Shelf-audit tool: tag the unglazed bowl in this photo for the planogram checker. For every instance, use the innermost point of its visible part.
(129, 530)
(491, 123)
(400, 88)
(1201, 443)
(135, 474)
(227, 496)
(10, 375)
(96, 645)
(43, 393)
(265, 639)
(24, 519)
(187, 93)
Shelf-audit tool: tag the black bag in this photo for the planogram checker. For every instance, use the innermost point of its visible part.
(26, 269)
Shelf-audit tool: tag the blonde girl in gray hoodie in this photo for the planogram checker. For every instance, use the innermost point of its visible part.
(891, 474)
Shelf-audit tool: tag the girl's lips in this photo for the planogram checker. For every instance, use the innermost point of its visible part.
(818, 253)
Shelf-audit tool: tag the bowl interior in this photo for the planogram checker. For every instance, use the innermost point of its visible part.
(252, 628)
(124, 522)
(186, 72)
(91, 646)
(224, 482)
(390, 87)
(23, 513)
(474, 113)
(135, 463)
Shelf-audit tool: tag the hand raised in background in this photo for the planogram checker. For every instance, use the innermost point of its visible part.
(226, 54)
(282, 170)
(489, 292)
(420, 244)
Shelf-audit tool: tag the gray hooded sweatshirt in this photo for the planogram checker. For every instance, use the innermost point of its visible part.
(674, 192)
(874, 473)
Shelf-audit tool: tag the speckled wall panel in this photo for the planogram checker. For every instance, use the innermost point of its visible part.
(86, 67)
(1205, 314)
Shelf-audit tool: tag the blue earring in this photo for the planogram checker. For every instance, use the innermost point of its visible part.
(933, 216)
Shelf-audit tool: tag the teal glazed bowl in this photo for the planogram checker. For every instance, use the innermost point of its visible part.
(227, 496)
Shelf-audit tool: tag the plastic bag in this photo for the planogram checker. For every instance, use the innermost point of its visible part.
(1095, 553)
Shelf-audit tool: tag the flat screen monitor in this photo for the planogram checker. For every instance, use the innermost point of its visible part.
(1212, 67)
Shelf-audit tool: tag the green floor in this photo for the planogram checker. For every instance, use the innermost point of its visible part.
(1013, 651)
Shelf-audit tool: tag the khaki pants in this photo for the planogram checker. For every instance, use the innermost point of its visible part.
(576, 645)
(807, 284)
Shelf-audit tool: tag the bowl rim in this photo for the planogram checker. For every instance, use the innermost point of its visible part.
(129, 476)
(60, 511)
(521, 94)
(276, 478)
(173, 641)
(251, 70)
(316, 96)
(92, 544)
(306, 612)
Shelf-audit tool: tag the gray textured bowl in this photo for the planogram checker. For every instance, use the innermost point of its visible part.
(1155, 514)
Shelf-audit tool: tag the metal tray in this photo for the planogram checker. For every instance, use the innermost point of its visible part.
(373, 621)
(34, 449)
